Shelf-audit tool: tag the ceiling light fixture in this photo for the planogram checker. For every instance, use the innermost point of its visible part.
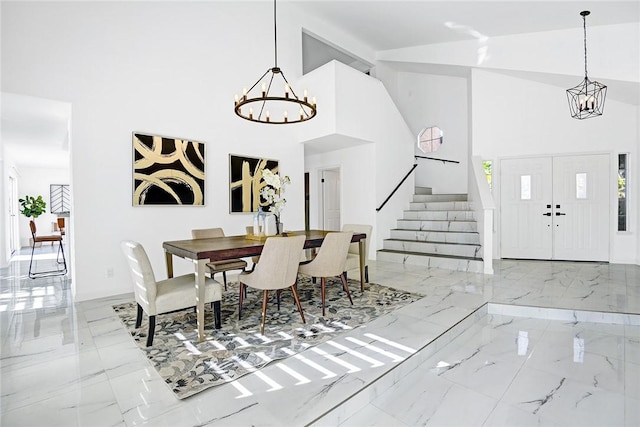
(274, 109)
(586, 99)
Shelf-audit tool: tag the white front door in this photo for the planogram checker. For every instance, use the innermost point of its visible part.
(581, 207)
(330, 182)
(526, 198)
(555, 208)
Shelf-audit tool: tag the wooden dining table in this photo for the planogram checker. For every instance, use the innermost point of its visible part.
(202, 251)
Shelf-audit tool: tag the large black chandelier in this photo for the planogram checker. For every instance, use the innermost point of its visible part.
(587, 98)
(259, 104)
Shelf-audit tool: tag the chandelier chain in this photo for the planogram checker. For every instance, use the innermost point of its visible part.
(275, 36)
(584, 26)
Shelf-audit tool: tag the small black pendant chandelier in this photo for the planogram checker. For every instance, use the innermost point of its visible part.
(586, 99)
(284, 107)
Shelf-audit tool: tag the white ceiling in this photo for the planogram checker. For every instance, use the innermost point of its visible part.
(388, 24)
(35, 131)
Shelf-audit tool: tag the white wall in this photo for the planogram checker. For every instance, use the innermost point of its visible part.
(370, 171)
(164, 68)
(35, 182)
(427, 100)
(514, 117)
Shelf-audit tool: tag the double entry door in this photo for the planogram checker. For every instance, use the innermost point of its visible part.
(555, 207)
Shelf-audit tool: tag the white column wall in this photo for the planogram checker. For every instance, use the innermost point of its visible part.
(433, 100)
(514, 117)
(164, 68)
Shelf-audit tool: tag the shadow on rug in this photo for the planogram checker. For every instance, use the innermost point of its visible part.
(189, 367)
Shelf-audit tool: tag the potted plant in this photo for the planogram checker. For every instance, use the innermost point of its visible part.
(32, 206)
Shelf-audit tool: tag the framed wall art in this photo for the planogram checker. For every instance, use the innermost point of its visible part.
(167, 171)
(245, 181)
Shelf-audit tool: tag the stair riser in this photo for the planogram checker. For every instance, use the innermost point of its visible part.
(439, 206)
(423, 190)
(440, 215)
(425, 198)
(470, 266)
(438, 225)
(436, 236)
(472, 251)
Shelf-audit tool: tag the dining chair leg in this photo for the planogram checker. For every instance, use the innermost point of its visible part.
(278, 298)
(294, 289)
(217, 314)
(139, 317)
(346, 287)
(240, 298)
(224, 279)
(152, 330)
(323, 284)
(264, 309)
(366, 273)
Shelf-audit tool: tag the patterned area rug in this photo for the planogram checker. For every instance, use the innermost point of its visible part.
(189, 367)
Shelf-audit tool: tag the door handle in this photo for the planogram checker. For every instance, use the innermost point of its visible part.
(546, 214)
(560, 213)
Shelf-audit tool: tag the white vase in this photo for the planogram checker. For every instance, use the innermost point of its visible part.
(270, 228)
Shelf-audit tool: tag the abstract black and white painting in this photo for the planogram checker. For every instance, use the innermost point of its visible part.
(245, 181)
(167, 171)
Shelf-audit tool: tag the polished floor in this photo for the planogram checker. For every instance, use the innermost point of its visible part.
(559, 344)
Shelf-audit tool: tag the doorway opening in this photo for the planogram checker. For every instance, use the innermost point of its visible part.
(330, 215)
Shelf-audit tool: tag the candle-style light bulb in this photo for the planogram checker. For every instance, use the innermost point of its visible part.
(244, 93)
(236, 98)
(268, 115)
(264, 90)
(251, 112)
(301, 113)
(314, 101)
(286, 90)
(286, 117)
(305, 95)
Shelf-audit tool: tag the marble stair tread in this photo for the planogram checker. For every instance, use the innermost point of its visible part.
(431, 247)
(425, 254)
(437, 225)
(439, 197)
(439, 206)
(470, 237)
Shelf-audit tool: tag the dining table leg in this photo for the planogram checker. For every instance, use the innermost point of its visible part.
(361, 247)
(168, 256)
(200, 266)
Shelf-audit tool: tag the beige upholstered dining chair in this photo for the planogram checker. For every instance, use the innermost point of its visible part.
(164, 296)
(353, 256)
(277, 270)
(330, 262)
(219, 266)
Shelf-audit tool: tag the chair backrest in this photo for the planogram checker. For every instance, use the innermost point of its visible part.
(279, 261)
(32, 226)
(354, 248)
(332, 255)
(144, 281)
(207, 233)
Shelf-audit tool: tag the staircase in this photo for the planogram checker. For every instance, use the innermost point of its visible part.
(438, 230)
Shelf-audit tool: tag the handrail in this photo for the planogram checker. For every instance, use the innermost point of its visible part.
(415, 165)
(434, 158)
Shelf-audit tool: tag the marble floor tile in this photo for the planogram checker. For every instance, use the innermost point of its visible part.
(73, 363)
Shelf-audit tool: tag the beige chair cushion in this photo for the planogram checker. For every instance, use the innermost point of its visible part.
(165, 295)
(278, 266)
(331, 257)
(353, 257)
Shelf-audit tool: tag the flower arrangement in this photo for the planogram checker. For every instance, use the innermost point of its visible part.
(272, 192)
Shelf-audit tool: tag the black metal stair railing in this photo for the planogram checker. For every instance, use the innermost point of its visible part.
(415, 165)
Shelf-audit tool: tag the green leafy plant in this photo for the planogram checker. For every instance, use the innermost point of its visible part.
(32, 206)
